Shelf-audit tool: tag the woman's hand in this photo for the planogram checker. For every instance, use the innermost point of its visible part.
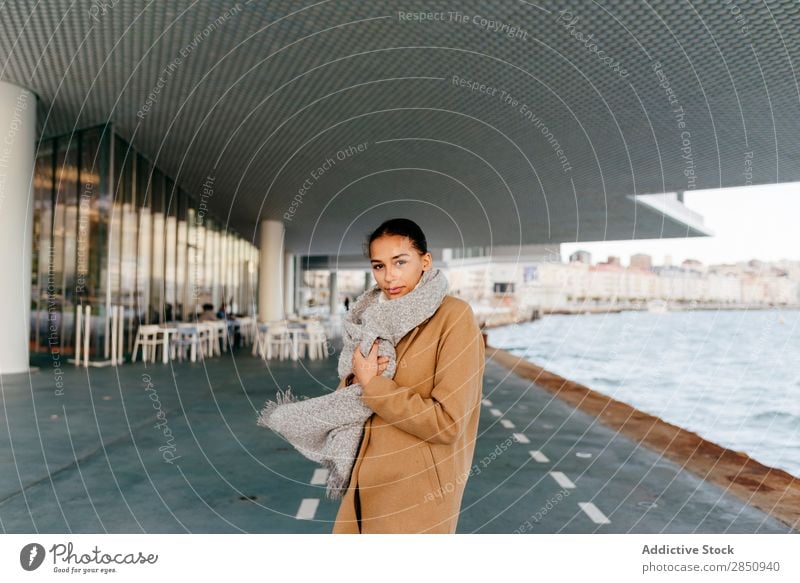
(383, 362)
(365, 368)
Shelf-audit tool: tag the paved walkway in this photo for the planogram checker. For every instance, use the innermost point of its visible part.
(175, 448)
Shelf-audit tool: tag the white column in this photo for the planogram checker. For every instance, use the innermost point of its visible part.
(17, 145)
(297, 299)
(333, 291)
(288, 283)
(270, 271)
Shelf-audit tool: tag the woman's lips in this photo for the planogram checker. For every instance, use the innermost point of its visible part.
(394, 290)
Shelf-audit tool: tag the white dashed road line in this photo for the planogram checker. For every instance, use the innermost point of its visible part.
(562, 479)
(539, 456)
(308, 508)
(496, 412)
(487, 402)
(507, 424)
(320, 476)
(594, 513)
(520, 437)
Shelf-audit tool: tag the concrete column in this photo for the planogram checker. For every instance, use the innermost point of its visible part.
(333, 293)
(368, 280)
(297, 299)
(270, 271)
(17, 146)
(288, 286)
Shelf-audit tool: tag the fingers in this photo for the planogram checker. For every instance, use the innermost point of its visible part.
(372, 354)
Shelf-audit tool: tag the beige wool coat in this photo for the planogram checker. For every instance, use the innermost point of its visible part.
(416, 451)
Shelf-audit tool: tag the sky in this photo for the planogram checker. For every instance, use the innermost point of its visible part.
(750, 222)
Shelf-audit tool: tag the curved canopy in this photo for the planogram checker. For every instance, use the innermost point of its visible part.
(504, 123)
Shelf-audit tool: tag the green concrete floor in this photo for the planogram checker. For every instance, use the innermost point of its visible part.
(93, 459)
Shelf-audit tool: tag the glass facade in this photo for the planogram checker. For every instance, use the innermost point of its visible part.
(111, 229)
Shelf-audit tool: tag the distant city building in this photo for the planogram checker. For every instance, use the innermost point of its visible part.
(693, 265)
(642, 261)
(532, 280)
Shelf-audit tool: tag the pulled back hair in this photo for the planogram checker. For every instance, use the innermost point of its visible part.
(402, 227)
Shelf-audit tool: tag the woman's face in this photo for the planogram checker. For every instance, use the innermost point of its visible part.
(397, 265)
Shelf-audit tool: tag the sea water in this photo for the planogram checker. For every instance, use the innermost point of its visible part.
(732, 377)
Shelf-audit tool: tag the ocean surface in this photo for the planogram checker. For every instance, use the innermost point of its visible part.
(732, 377)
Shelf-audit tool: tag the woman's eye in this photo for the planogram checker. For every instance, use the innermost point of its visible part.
(396, 263)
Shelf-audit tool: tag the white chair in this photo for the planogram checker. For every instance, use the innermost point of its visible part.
(247, 330)
(279, 339)
(315, 339)
(333, 326)
(218, 336)
(187, 338)
(260, 341)
(207, 332)
(147, 339)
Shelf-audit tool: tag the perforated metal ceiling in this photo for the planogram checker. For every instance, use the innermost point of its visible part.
(261, 94)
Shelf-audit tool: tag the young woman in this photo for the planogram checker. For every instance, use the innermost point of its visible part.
(416, 450)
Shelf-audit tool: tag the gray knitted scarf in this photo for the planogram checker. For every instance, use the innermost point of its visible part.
(328, 429)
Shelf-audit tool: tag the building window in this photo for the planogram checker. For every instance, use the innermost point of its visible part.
(110, 228)
(503, 288)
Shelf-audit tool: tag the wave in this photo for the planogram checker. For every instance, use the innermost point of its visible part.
(770, 415)
(607, 381)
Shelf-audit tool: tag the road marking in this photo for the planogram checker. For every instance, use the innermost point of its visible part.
(538, 456)
(496, 412)
(320, 476)
(594, 513)
(308, 508)
(562, 479)
(507, 424)
(520, 437)
(487, 402)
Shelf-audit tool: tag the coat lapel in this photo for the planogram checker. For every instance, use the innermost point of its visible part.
(406, 341)
(402, 346)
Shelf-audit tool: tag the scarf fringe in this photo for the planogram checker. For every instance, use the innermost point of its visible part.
(281, 398)
(337, 483)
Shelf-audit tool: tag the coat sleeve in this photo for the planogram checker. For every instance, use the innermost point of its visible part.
(457, 386)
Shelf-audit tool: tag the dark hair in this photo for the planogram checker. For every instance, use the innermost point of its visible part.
(402, 227)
